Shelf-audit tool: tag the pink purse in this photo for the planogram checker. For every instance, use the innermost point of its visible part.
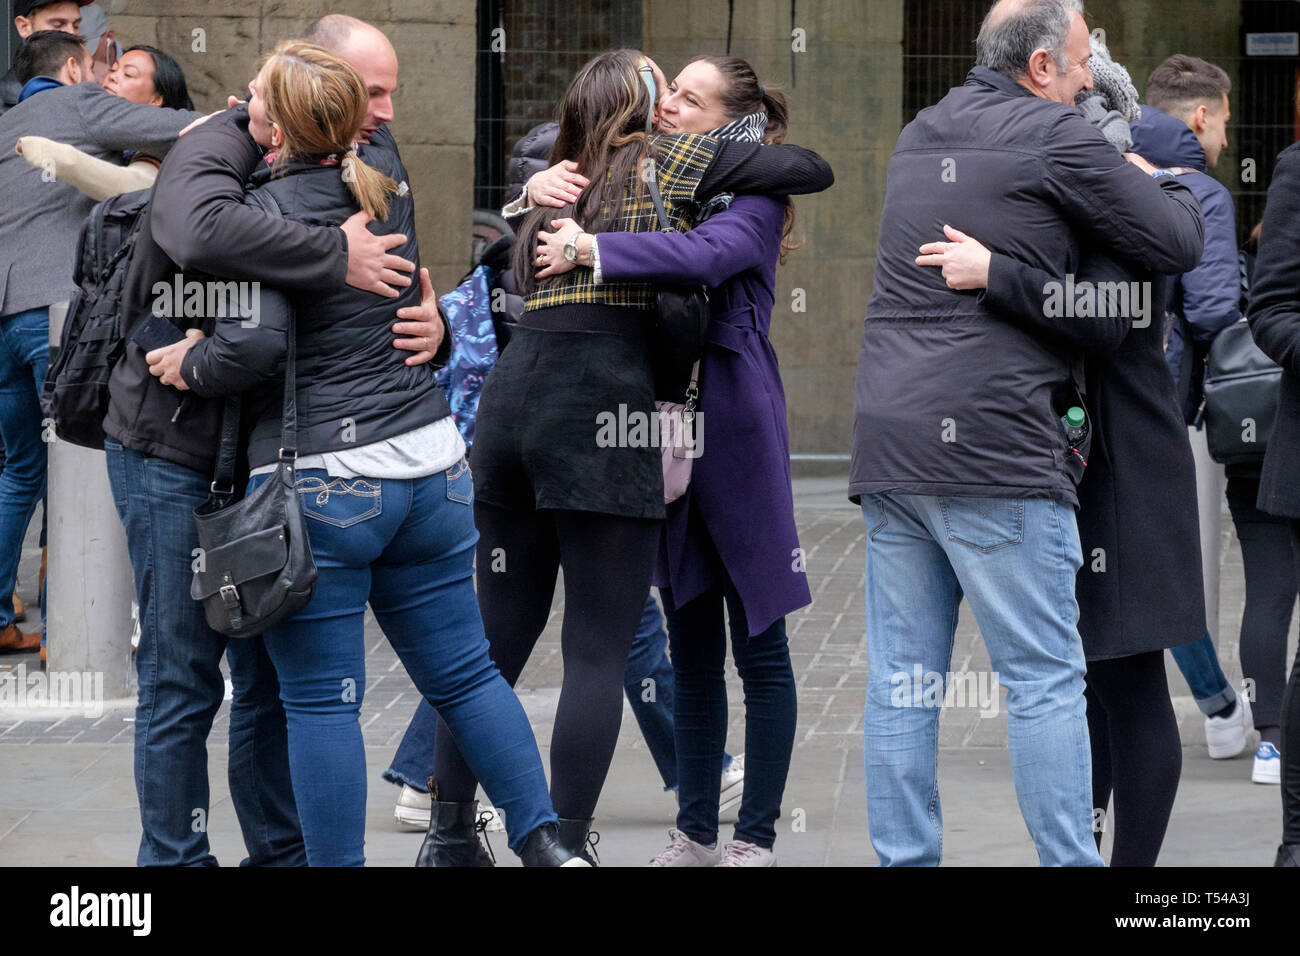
(681, 438)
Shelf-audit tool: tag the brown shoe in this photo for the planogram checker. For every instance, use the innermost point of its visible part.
(14, 641)
(20, 612)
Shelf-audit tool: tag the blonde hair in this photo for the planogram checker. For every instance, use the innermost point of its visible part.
(320, 102)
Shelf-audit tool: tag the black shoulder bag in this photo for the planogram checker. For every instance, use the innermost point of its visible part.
(255, 566)
(681, 321)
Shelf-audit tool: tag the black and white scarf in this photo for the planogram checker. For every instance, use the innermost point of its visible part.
(747, 129)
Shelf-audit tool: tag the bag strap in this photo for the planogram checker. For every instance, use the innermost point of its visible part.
(289, 413)
(652, 183)
(223, 480)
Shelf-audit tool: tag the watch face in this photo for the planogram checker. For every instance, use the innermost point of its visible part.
(570, 252)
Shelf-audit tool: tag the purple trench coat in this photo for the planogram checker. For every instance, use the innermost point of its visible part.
(740, 486)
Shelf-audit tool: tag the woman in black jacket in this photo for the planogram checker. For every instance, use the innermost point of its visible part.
(383, 481)
(1274, 317)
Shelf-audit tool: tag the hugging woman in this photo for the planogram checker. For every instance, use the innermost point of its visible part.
(548, 495)
(713, 551)
(382, 479)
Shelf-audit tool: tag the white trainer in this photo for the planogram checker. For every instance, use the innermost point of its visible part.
(683, 851)
(740, 853)
(1268, 764)
(413, 808)
(1226, 736)
(733, 783)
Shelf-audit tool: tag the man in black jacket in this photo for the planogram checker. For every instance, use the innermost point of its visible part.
(160, 455)
(960, 460)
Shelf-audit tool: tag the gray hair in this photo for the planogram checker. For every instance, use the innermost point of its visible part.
(1008, 38)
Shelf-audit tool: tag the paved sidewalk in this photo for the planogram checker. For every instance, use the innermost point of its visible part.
(67, 796)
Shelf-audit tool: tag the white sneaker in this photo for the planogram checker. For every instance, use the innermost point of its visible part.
(1226, 736)
(1268, 765)
(740, 853)
(413, 808)
(492, 818)
(683, 851)
(733, 783)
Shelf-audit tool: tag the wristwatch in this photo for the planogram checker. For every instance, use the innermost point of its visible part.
(571, 247)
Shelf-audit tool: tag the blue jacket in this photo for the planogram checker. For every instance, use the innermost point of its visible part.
(1204, 301)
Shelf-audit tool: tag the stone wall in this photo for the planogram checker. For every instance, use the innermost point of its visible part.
(435, 116)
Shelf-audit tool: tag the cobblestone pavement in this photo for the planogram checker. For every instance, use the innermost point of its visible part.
(66, 793)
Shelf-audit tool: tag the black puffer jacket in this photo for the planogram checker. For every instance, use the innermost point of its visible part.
(353, 387)
(198, 226)
(952, 397)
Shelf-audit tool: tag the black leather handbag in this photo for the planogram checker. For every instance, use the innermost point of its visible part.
(1241, 395)
(255, 566)
(681, 322)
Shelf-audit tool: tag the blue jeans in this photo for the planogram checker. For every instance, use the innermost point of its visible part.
(178, 662)
(1199, 663)
(698, 637)
(24, 357)
(413, 763)
(1015, 560)
(407, 547)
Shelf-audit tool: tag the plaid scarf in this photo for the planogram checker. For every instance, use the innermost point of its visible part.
(679, 162)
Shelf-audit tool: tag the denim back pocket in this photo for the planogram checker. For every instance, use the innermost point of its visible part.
(341, 502)
(460, 483)
(985, 524)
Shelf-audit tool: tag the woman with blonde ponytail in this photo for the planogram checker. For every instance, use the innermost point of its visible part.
(383, 482)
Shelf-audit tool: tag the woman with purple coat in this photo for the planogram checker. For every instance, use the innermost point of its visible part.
(731, 539)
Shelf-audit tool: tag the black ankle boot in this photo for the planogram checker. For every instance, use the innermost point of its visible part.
(452, 839)
(577, 838)
(543, 848)
(1288, 854)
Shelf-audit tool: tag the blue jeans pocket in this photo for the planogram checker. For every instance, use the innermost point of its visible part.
(460, 483)
(985, 524)
(341, 502)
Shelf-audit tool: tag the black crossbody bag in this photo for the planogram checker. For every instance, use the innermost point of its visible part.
(255, 567)
(681, 322)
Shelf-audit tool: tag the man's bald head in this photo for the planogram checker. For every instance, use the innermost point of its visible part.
(371, 53)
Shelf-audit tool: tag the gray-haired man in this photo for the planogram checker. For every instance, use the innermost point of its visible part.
(960, 464)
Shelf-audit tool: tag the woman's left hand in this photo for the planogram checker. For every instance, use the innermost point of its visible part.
(549, 255)
(165, 363)
(964, 261)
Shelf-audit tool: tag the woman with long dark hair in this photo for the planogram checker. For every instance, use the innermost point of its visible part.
(713, 553)
(551, 492)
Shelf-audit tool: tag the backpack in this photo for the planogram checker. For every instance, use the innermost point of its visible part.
(474, 350)
(1241, 397)
(75, 396)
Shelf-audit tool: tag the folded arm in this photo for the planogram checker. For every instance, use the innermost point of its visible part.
(95, 177)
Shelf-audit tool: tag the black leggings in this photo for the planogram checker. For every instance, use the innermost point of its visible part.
(1270, 597)
(607, 562)
(1291, 732)
(1136, 752)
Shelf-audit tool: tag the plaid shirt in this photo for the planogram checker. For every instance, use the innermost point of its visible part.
(680, 163)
